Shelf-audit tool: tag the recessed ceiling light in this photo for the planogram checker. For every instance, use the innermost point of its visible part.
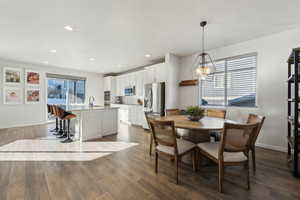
(53, 51)
(92, 59)
(46, 62)
(119, 65)
(147, 55)
(68, 28)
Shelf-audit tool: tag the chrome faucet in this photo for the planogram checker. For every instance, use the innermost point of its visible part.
(91, 101)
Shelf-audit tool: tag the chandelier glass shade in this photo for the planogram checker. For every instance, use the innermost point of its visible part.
(205, 64)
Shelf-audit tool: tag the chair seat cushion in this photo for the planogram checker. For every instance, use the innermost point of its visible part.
(182, 146)
(212, 148)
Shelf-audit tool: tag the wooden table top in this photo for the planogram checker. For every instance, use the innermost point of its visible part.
(206, 123)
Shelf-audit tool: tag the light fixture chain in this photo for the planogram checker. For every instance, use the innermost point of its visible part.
(203, 39)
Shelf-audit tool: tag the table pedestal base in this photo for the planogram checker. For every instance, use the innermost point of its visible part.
(195, 136)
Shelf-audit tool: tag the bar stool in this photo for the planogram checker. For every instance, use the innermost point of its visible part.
(67, 117)
(51, 111)
(60, 113)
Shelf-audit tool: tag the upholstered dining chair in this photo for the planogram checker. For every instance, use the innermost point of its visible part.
(233, 149)
(167, 143)
(255, 119)
(149, 116)
(174, 111)
(219, 113)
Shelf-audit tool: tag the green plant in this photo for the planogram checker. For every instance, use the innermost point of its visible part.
(195, 111)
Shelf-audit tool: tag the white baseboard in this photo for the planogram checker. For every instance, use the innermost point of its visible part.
(24, 125)
(272, 147)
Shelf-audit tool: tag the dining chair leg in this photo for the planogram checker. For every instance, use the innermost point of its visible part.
(177, 161)
(248, 174)
(156, 162)
(221, 177)
(151, 143)
(193, 154)
(253, 160)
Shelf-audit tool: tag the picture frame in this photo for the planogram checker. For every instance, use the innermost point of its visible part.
(32, 95)
(12, 76)
(12, 95)
(32, 78)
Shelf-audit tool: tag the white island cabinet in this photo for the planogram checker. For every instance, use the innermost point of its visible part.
(94, 122)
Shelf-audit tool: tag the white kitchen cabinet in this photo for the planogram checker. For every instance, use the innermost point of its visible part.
(131, 114)
(110, 84)
(123, 114)
(117, 85)
(136, 115)
(140, 83)
(110, 122)
(140, 115)
(106, 84)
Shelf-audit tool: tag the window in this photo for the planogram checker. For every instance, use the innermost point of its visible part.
(219, 80)
(66, 90)
(232, 84)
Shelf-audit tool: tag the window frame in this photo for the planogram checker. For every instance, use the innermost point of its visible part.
(67, 78)
(225, 85)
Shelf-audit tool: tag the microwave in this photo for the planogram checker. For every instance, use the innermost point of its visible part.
(129, 91)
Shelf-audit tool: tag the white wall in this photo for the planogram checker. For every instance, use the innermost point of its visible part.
(172, 76)
(273, 52)
(30, 114)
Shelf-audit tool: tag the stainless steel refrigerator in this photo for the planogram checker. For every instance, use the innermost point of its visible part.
(154, 98)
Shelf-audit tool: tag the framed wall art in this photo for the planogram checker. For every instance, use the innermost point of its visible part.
(12, 95)
(32, 95)
(32, 78)
(12, 76)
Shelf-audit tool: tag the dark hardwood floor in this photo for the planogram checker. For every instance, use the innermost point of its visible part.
(129, 174)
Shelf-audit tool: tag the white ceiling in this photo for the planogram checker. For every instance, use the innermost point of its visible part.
(118, 33)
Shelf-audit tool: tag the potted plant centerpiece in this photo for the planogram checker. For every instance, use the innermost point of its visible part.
(195, 113)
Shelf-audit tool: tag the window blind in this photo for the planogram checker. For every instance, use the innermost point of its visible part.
(233, 83)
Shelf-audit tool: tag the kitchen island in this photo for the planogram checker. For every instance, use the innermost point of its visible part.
(94, 121)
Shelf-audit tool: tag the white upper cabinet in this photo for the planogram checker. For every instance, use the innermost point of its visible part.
(110, 84)
(151, 74)
(139, 87)
(107, 83)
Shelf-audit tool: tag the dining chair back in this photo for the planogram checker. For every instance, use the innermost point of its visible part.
(167, 143)
(256, 119)
(237, 137)
(149, 117)
(170, 112)
(219, 113)
(253, 118)
(164, 133)
(232, 150)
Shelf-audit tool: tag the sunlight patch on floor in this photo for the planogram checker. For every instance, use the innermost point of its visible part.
(51, 149)
(35, 156)
(56, 145)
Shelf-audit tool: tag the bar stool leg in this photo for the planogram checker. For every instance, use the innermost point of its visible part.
(60, 128)
(56, 129)
(69, 139)
(56, 126)
(64, 134)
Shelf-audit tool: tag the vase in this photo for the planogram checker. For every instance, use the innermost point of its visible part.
(194, 118)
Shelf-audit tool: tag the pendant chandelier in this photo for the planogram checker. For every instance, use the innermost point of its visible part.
(205, 64)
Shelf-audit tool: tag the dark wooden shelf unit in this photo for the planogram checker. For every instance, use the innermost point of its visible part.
(293, 112)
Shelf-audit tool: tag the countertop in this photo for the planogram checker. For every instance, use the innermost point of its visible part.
(126, 104)
(87, 107)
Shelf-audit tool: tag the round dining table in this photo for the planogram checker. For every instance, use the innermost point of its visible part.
(195, 131)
